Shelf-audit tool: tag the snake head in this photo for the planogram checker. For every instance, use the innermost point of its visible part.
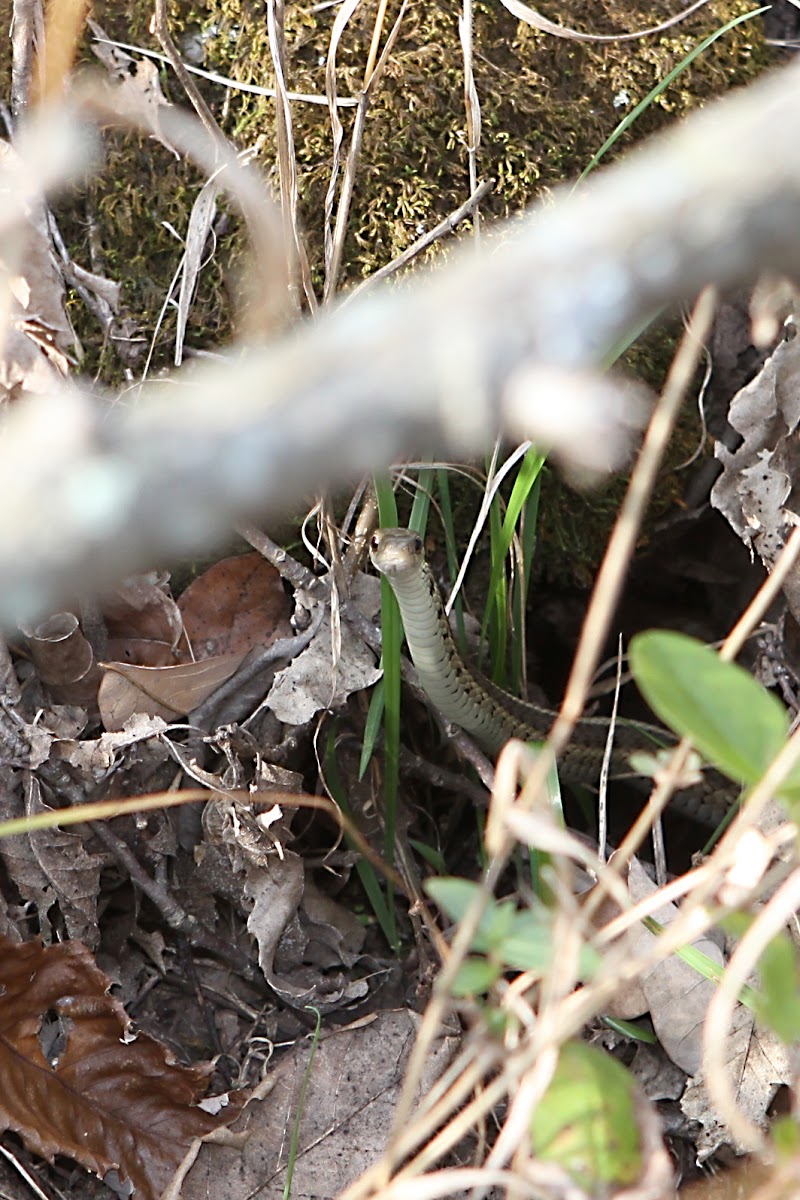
(396, 551)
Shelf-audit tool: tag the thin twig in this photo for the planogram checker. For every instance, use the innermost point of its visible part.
(448, 225)
(356, 390)
(161, 30)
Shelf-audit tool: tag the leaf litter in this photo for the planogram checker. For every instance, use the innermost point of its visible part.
(74, 1043)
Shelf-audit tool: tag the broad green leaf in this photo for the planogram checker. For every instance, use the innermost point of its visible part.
(586, 1121)
(519, 939)
(785, 1137)
(734, 722)
(475, 977)
(528, 946)
(455, 896)
(778, 1002)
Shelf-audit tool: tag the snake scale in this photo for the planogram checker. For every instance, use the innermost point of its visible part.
(492, 715)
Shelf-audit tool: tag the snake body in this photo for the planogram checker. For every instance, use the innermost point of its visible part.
(489, 713)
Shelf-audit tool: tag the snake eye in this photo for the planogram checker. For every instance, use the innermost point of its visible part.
(417, 544)
(375, 541)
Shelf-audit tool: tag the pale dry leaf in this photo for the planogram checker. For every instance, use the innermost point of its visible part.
(201, 220)
(757, 479)
(167, 692)
(674, 993)
(345, 1117)
(93, 756)
(275, 890)
(759, 1064)
(314, 681)
(35, 346)
(51, 867)
(137, 86)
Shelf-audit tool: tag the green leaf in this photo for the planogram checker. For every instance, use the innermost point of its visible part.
(734, 722)
(528, 945)
(454, 896)
(520, 939)
(372, 729)
(433, 857)
(475, 977)
(630, 1029)
(778, 1003)
(586, 1121)
(785, 1137)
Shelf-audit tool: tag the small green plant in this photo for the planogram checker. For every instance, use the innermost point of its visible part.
(735, 723)
(586, 1122)
(508, 937)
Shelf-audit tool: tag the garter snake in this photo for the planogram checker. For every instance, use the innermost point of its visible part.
(492, 715)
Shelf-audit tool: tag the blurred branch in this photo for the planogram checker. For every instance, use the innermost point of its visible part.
(94, 491)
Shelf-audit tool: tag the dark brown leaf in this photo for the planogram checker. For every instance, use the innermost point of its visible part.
(143, 623)
(235, 606)
(77, 1082)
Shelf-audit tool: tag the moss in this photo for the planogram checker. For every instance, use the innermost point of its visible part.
(547, 105)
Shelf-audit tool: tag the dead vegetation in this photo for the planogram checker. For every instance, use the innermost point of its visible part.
(206, 884)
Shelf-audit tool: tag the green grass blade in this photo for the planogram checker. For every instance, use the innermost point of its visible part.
(496, 609)
(636, 112)
(392, 628)
(301, 1100)
(372, 728)
(705, 966)
(526, 481)
(443, 481)
(422, 500)
(364, 869)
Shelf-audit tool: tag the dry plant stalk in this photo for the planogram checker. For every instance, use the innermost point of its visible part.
(519, 812)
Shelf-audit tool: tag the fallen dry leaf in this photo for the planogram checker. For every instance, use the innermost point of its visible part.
(137, 87)
(77, 1081)
(128, 690)
(38, 335)
(143, 622)
(344, 1119)
(237, 605)
(675, 994)
(760, 1064)
(757, 479)
(315, 679)
(51, 866)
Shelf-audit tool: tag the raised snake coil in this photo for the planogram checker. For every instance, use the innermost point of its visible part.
(492, 715)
